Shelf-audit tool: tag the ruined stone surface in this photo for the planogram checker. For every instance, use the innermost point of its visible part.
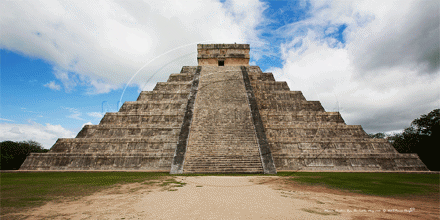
(303, 136)
(142, 135)
(179, 155)
(230, 54)
(265, 153)
(222, 136)
(216, 119)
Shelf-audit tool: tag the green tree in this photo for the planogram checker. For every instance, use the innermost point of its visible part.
(378, 135)
(422, 137)
(13, 153)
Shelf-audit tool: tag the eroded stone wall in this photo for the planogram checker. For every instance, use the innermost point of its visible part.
(142, 136)
(228, 54)
(303, 136)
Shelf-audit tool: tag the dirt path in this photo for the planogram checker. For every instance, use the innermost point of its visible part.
(216, 197)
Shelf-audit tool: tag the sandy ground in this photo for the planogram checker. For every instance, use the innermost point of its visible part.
(216, 197)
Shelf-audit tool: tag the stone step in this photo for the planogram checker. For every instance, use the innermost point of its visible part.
(309, 140)
(222, 171)
(142, 119)
(188, 69)
(180, 77)
(286, 152)
(173, 86)
(107, 131)
(214, 148)
(228, 159)
(281, 124)
(291, 106)
(260, 76)
(215, 142)
(373, 161)
(154, 106)
(356, 156)
(112, 144)
(266, 86)
(332, 145)
(159, 153)
(218, 167)
(216, 164)
(280, 95)
(219, 153)
(209, 169)
(176, 113)
(163, 95)
(203, 163)
(190, 155)
(322, 132)
(182, 101)
(233, 157)
(97, 161)
(223, 147)
(133, 126)
(297, 116)
(254, 70)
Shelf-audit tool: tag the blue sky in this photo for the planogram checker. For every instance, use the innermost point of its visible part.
(64, 64)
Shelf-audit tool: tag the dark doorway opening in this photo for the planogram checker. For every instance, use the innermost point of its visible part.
(221, 63)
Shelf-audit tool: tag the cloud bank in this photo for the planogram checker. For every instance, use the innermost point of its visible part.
(102, 44)
(46, 134)
(383, 76)
(377, 62)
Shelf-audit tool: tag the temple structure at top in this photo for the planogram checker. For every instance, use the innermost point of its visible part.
(223, 54)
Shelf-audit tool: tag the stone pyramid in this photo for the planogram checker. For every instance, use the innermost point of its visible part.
(223, 116)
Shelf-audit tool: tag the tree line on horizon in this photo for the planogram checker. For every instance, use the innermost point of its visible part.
(13, 153)
(422, 138)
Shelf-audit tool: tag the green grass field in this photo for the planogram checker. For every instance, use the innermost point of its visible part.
(26, 190)
(20, 191)
(381, 184)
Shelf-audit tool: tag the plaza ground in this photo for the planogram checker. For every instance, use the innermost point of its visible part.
(232, 197)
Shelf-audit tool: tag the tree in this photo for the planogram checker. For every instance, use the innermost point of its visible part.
(378, 135)
(428, 125)
(13, 154)
(422, 137)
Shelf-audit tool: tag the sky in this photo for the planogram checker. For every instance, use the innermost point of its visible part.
(65, 63)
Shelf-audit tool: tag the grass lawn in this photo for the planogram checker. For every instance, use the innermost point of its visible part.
(20, 191)
(381, 184)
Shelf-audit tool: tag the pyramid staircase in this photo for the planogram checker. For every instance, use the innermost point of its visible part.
(222, 136)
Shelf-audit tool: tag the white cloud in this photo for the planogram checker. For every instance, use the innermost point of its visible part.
(95, 114)
(385, 76)
(87, 123)
(101, 44)
(52, 85)
(403, 33)
(74, 113)
(46, 135)
(4, 119)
